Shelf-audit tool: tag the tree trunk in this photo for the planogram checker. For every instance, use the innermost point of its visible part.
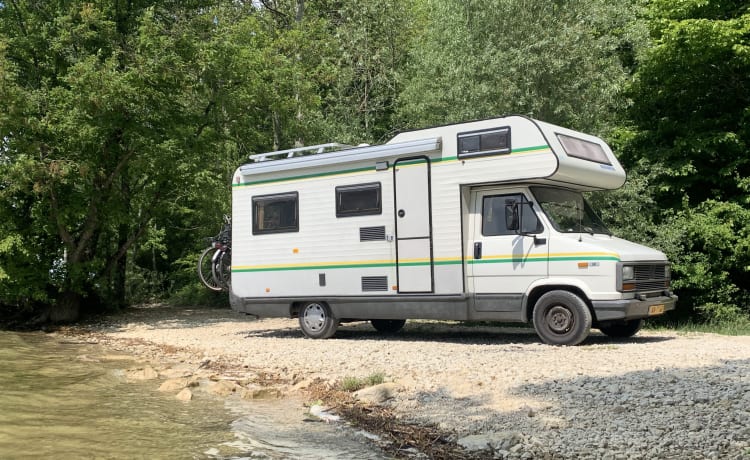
(67, 308)
(119, 274)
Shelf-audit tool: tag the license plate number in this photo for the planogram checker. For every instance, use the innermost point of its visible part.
(656, 309)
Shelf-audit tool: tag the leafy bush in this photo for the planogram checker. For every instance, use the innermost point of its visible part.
(708, 245)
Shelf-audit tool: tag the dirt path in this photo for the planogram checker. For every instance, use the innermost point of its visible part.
(658, 395)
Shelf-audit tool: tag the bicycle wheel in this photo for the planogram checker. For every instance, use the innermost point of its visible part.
(205, 269)
(222, 270)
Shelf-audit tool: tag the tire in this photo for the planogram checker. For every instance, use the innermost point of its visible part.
(623, 329)
(205, 269)
(316, 320)
(222, 270)
(561, 318)
(388, 326)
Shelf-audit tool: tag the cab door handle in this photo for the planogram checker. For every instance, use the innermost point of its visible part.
(478, 250)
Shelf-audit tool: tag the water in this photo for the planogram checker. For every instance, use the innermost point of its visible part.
(67, 400)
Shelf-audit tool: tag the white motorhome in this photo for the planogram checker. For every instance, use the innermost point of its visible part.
(472, 221)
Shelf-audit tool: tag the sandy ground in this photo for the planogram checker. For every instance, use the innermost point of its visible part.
(495, 388)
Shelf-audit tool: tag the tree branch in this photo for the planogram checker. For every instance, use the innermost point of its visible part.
(267, 4)
(61, 230)
(140, 229)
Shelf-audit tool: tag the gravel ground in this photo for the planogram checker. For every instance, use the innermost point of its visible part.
(658, 395)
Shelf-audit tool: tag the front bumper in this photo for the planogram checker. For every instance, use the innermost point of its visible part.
(612, 310)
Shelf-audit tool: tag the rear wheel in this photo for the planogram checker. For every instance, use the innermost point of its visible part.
(622, 330)
(561, 318)
(316, 320)
(388, 326)
(222, 270)
(205, 269)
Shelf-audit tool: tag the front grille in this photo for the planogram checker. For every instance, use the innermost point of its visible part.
(649, 272)
(648, 277)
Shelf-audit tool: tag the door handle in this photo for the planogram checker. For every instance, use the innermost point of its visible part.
(477, 250)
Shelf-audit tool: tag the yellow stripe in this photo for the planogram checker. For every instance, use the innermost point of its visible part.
(420, 260)
(313, 264)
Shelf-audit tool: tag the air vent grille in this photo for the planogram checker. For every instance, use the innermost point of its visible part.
(372, 233)
(374, 283)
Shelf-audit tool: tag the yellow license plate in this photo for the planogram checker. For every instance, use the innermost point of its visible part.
(656, 309)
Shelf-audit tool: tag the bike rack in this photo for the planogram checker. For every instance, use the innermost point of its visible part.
(299, 151)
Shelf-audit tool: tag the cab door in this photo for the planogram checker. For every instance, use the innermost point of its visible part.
(506, 249)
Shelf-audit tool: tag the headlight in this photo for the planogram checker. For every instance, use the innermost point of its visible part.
(668, 272)
(628, 272)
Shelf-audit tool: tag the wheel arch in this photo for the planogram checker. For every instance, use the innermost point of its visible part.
(538, 291)
(296, 306)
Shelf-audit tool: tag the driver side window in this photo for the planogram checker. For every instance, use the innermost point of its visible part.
(497, 213)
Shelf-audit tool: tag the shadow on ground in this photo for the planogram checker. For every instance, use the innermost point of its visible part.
(437, 331)
(470, 333)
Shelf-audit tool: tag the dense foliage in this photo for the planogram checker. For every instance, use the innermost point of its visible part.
(123, 121)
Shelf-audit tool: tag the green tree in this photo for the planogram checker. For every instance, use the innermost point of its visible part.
(371, 40)
(99, 130)
(687, 143)
(122, 127)
(560, 61)
(692, 101)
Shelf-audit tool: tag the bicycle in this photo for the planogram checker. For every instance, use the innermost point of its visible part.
(215, 262)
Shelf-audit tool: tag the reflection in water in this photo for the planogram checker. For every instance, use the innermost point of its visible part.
(57, 400)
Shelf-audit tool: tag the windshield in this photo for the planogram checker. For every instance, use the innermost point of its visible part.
(568, 211)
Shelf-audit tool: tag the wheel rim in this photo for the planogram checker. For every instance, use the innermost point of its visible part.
(205, 270)
(559, 319)
(314, 317)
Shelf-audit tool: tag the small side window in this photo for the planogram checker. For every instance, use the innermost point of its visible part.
(358, 200)
(276, 213)
(494, 141)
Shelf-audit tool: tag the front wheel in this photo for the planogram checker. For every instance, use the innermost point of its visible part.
(561, 318)
(622, 330)
(316, 320)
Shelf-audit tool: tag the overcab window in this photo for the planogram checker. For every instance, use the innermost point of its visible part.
(584, 150)
(358, 200)
(494, 141)
(276, 213)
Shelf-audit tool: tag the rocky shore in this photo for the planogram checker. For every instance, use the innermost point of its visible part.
(483, 391)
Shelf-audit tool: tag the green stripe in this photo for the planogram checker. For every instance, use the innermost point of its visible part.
(417, 264)
(369, 168)
(311, 267)
(540, 259)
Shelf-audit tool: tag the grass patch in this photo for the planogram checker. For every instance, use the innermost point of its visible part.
(352, 384)
(739, 327)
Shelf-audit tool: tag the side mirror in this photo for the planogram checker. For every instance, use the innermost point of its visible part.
(512, 220)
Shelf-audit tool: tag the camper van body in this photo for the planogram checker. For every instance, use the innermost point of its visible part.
(472, 221)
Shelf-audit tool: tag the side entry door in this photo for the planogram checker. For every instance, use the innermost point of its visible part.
(414, 261)
(506, 250)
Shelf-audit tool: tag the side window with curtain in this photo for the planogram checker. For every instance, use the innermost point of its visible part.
(358, 200)
(276, 213)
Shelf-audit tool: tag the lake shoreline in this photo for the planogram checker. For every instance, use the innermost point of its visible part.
(463, 390)
(188, 372)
